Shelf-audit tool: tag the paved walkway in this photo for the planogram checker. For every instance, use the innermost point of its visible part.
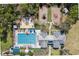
(50, 34)
(50, 50)
(55, 10)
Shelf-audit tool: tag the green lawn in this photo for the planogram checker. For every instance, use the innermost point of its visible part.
(8, 44)
(0, 46)
(49, 14)
(39, 51)
(55, 52)
(37, 25)
(0, 39)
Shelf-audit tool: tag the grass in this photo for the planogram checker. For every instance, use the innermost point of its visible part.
(6, 45)
(49, 14)
(37, 26)
(55, 52)
(0, 46)
(0, 39)
(72, 42)
(36, 49)
(39, 51)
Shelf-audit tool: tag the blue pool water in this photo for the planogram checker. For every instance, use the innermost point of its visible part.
(26, 38)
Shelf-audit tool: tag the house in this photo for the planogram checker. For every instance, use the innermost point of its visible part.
(60, 39)
(27, 36)
(43, 43)
(55, 40)
(56, 44)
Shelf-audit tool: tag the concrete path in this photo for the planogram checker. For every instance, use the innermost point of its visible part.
(50, 50)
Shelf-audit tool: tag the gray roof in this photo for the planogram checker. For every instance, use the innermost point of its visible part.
(59, 36)
(57, 33)
(44, 34)
(61, 41)
(56, 44)
(43, 44)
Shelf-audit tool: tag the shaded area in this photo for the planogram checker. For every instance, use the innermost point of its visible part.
(6, 45)
(4, 36)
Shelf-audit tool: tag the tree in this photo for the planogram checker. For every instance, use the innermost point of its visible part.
(22, 53)
(65, 27)
(72, 18)
(7, 15)
(28, 9)
(30, 53)
(73, 13)
(10, 12)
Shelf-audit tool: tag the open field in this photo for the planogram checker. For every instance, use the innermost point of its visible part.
(72, 43)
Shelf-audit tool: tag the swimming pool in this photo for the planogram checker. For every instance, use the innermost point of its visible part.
(26, 38)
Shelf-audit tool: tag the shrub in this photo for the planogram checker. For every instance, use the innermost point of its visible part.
(22, 53)
(30, 53)
(37, 26)
(65, 27)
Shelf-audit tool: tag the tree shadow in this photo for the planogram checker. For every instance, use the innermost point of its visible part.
(4, 36)
(65, 52)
